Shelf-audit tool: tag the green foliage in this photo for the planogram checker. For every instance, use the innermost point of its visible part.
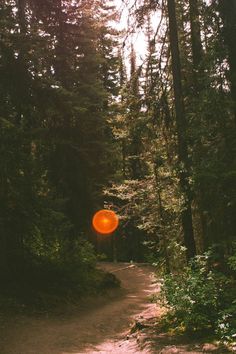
(226, 324)
(79, 254)
(73, 265)
(74, 123)
(193, 295)
(49, 284)
(232, 260)
(201, 298)
(58, 74)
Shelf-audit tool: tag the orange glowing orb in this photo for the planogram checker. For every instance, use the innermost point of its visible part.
(105, 221)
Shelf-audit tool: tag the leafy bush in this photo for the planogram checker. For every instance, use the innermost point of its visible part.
(48, 283)
(79, 253)
(194, 296)
(201, 298)
(226, 324)
(232, 261)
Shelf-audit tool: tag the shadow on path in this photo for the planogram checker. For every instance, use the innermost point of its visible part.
(98, 326)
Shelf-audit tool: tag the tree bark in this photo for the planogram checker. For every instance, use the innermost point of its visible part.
(187, 223)
(198, 77)
(195, 33)
(165, 248)
(3, 253)
(197, 51)
(227, 9)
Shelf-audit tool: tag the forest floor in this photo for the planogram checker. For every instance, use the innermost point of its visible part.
(101, 325)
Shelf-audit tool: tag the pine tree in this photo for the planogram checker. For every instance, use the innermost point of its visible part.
(181, 133)
(56, 100)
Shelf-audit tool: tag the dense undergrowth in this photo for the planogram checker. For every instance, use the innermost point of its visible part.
(43, 284)
(201, 300)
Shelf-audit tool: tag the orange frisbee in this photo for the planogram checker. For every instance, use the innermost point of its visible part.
(105, 221)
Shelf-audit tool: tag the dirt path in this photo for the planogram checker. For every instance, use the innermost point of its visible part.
(101, 325)
(98, 327)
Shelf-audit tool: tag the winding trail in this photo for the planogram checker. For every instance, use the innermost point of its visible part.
(98, 326)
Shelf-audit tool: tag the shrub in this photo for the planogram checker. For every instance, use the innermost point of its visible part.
(226, 324)
(200, 298)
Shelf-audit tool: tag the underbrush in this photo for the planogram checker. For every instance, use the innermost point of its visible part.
(41, 284)
(201, 300)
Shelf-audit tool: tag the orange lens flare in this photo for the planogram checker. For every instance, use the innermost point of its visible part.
(105, 222)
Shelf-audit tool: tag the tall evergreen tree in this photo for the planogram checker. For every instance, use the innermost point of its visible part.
(56, 89)
(181, 133)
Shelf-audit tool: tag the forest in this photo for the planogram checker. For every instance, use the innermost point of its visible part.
(88, 121)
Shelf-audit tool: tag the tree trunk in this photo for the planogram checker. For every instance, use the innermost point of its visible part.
(181, 133)
(197, 51)
(165, 248)
(198, 76)
(227, 9)
(3, 254)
